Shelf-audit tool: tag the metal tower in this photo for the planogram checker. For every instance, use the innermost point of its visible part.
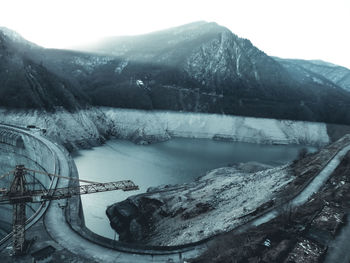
(19, 193)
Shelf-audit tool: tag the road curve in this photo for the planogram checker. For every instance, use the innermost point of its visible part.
(65, 236)
(309, 190)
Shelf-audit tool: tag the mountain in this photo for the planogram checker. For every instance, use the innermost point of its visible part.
(205, 67)
(337, 74)
(26, 83)
(168, 46)
(199, 67)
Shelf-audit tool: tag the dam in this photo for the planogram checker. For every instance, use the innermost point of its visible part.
(68, 225)
(18, 146)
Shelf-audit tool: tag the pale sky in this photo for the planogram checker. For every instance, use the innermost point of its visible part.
(306, 29)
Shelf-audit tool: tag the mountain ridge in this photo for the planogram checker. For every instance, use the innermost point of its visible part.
(339, 75)
(27, 84)
(200, 67)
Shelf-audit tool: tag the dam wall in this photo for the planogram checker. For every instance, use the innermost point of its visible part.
(26, 148)
(18, 147)
(35, 153)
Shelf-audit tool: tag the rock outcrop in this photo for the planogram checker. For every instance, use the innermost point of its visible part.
(200, 67)
(174, 215)
(217, 202)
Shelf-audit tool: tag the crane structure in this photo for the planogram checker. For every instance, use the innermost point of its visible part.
(25, 188)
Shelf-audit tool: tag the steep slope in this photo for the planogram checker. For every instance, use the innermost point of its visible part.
(28, 84)
(166, 47)
(204, 67)
(222, 199)
(199, 67)
(337, 74)
(33, 94)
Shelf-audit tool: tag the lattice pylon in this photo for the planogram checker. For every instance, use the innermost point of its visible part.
(19, 218)
(18, 187)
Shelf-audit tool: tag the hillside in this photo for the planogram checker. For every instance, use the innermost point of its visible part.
(337, 74)
(26, 83)
(199, 67)
(206, 68)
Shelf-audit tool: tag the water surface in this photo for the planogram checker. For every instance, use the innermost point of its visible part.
(176, 161)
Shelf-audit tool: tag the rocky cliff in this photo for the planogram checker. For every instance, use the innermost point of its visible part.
(203, 67)
(75, 130)
(174, 215)
(199, 67)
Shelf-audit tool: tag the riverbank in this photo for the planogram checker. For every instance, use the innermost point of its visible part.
(55, 227)
(69, 240)
(90, 127)
(299, 234)
(218, 202)
(176, 161)
(150, 126)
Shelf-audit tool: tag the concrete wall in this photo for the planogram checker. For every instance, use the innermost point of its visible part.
(22, 148)
(26, 148)
(35, 152)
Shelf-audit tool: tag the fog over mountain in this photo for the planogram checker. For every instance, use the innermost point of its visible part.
(337, 74)
(199, 67)
(25, 83)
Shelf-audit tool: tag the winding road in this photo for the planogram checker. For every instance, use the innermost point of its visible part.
(62, 233)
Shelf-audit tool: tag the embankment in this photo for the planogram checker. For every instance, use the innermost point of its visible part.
(151, 126)
(90, 127)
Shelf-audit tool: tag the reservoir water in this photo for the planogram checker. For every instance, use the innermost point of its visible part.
(176, 161)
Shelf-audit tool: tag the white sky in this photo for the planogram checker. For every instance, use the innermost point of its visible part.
(307, 29)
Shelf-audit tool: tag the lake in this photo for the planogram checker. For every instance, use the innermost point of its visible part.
(175, 161)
